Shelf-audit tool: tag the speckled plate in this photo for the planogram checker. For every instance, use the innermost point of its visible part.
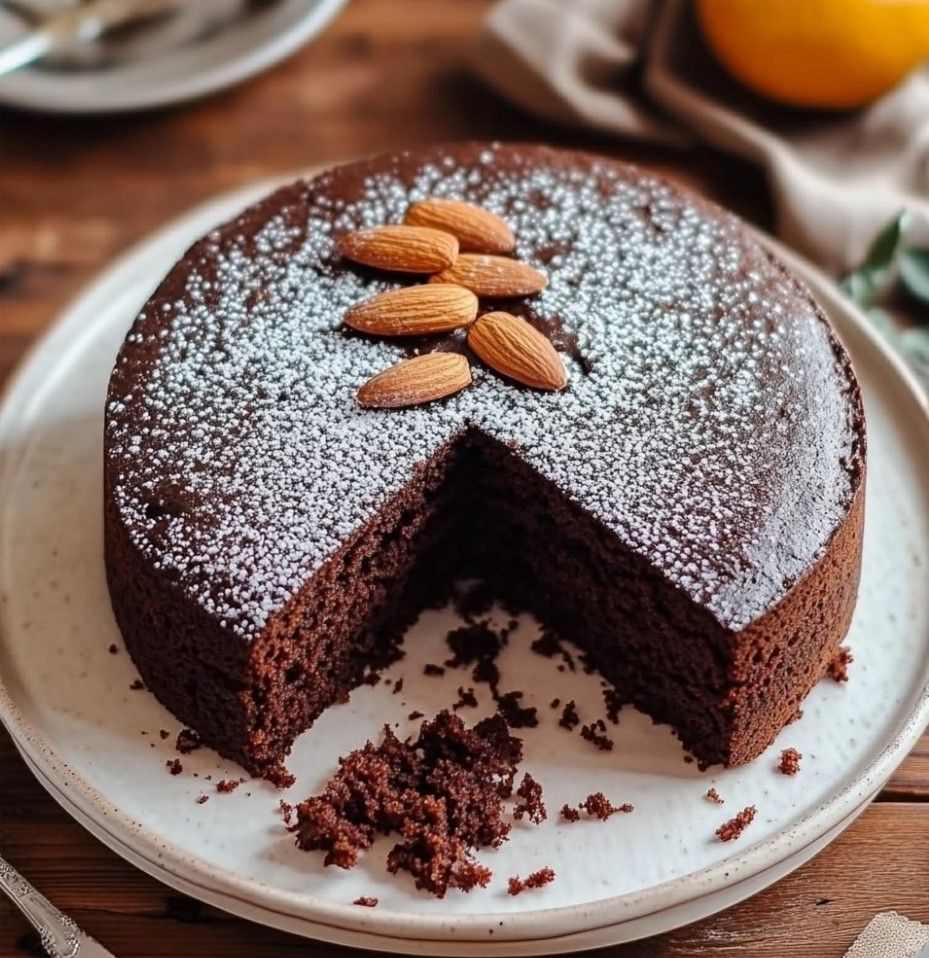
(100, 747)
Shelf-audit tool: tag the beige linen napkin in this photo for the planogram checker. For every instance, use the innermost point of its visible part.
(889, 935)
(640, 69)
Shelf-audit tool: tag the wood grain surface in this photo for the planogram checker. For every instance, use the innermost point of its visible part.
(76, 192)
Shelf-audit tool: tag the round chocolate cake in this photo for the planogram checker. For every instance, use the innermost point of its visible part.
(688, 510)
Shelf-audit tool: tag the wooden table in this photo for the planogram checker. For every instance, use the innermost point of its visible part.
(76, 192)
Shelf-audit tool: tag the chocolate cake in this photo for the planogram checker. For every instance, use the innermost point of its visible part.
(688, 510)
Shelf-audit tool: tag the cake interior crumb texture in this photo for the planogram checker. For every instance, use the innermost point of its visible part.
(688, 511)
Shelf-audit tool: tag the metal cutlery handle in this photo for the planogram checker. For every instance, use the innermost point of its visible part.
(83, 23)
(60, 936)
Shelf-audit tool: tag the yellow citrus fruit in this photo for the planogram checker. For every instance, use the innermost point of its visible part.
(834, 54)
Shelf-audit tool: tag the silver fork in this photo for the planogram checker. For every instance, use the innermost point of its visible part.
(60, 936)
(78, 26)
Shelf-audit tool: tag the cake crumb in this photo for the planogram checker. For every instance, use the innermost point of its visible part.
(398, 686)
(732, 829)
(569, 717)
(613, 702)
(279, 777)
(531, 806)
(713, 796)
(415, 714)
(569, 814)
(790, 762)
(113, 649)
(137, 685)
(838, 666)
(174, 766)
(555, 703)
(443, 792)
(188, 741)
(597, 805)
(538, 879)
(466, 699)
(593, 734)
(286, 810)
(514, 714)
(430, 669)
(163, 733)
(202, 799)
(366, 902)
(227, 785)
(549, 645)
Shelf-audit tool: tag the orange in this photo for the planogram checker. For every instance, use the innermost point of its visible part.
(833, 54)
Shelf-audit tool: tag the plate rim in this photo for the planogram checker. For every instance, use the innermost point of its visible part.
(397, 927)
(17, 91)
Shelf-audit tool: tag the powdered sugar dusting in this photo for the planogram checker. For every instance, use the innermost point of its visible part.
(240, 460)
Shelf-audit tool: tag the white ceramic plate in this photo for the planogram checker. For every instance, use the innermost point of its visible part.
(95, 744)
(239, 50)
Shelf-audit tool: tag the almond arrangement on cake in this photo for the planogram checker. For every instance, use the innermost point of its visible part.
(545, 369)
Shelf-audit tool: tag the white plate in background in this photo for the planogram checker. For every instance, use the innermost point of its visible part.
(244, 47)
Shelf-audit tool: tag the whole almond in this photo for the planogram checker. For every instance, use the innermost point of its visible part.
(494, 276)
(478, 230)
(402, 249)
(512, 347)
(415, 311)
(416, 381)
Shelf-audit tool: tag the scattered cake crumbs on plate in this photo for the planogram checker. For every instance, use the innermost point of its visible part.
(790, 762)
(613, 702)
(466, 699)
(549, 645)
(174, 766)
(113, 649)
(569, 717)
(137, 685)
(537, 879)
(431, 669)
(596, 735)
(838, 666)
(531, 806)
(597, 805)
(415, 714)
(366, 901)
(398, 686)
(187, 741)
(163, 733)
(516, 715)
(442, 792)
(202, 799)
(713, 796)
(227, 785)
(732, 829)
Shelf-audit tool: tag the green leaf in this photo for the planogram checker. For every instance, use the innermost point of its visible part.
(885, 246)
(864, 283)
(882, 322)
(915, 343)
(858, 287)
(914, 272)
